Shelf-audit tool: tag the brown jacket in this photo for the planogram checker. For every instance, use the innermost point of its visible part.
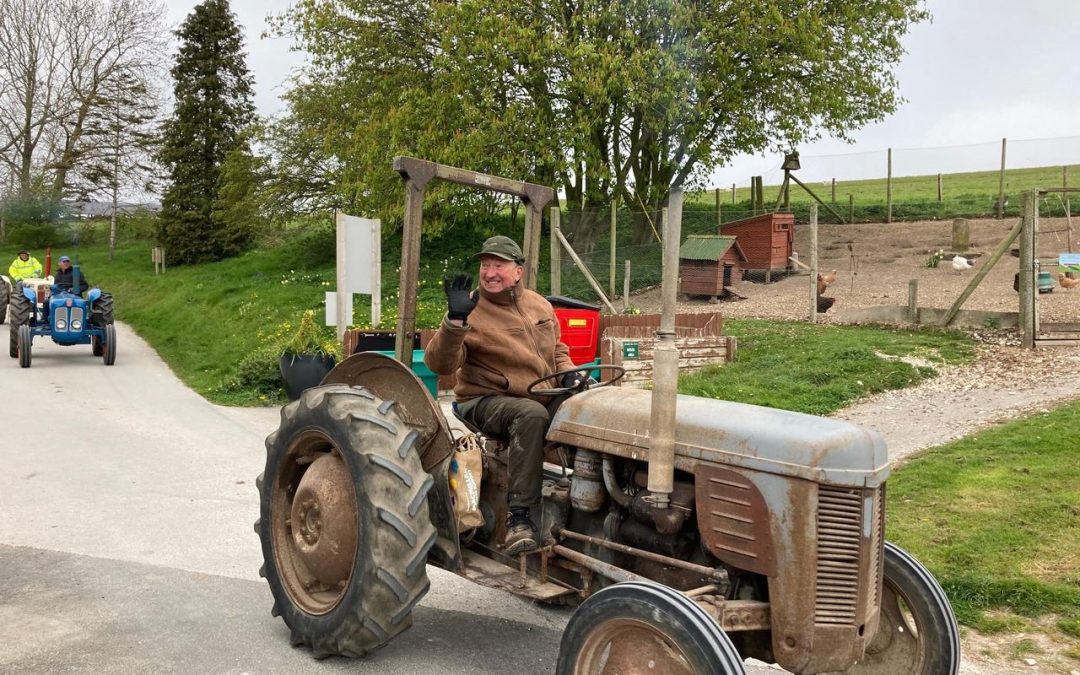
(511, 339)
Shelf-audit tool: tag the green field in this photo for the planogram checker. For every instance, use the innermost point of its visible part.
(914, 197)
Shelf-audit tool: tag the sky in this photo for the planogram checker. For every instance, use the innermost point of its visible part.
(980, 71)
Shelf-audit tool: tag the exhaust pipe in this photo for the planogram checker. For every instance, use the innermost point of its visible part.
(665, 370)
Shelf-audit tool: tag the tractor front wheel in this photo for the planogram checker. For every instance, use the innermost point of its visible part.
(108, 345)
(918, 632)
(633, 626)
(344, 520)
(25, 339)
(20, 310)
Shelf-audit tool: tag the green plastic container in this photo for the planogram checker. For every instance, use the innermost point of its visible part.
(430, 379)
(1046, 282)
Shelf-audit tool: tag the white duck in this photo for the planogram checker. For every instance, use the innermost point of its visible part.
(960, 263)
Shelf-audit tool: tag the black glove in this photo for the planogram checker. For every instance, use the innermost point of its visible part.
(573, 380)
(460, 298)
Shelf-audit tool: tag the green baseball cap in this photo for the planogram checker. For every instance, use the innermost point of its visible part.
(502, 247)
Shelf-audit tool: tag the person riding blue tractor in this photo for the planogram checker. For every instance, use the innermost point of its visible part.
(60, 312)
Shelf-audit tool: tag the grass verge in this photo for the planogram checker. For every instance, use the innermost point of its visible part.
(996, 517)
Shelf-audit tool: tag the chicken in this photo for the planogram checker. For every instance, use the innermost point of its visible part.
(823, 281)
(1066, 282)
(823, 304)
(960, 263)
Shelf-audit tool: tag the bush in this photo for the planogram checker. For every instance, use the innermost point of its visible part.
(34, 236)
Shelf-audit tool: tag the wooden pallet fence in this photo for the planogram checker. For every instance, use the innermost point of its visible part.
(635, 354)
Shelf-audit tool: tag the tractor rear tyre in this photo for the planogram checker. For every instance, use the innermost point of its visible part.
(101, 314)
(19, 309)
(918, 632)
(5, 296)
(108, 345)
(344, 521)
(623, 626)
(25, 339)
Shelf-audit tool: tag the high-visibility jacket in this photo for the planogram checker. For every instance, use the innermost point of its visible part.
(24, 269)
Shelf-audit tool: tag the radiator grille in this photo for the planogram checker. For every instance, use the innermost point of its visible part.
(839, 528)
(877, 544)
(61, 314)
(76, 314)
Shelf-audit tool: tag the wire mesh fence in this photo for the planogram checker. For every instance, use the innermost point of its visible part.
(928, 262)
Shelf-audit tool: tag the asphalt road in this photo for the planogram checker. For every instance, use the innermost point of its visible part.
(126, 539)
(127, 505)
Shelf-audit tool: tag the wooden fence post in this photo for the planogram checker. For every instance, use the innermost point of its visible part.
(611, 260)
(813, 262)
(556, 252)
(888, 189)
(1001, 184)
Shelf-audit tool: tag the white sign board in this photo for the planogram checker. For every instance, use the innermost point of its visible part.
(331, 310)
(359, 269)
(360, 239)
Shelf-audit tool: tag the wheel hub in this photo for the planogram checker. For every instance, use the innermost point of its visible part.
(324, 520)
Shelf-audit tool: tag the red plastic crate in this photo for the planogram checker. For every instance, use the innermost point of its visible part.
(580, 330)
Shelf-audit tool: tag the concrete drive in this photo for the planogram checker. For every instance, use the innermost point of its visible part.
(126, 542)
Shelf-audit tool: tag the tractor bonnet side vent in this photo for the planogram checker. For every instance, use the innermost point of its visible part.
(877, 545)
(839, 527)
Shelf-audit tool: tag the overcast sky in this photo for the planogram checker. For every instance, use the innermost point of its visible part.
(981, 71)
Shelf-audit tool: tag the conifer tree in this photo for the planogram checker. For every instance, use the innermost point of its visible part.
(213, 107)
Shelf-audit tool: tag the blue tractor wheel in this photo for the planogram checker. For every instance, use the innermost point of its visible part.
(25, 339)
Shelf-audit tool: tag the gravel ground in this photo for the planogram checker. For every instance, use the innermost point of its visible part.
(882, 260)
(1006, 381)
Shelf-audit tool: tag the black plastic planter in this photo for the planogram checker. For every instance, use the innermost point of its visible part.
(302, 372)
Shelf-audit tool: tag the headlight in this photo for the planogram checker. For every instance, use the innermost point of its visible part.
(76, 325)
(61, 324)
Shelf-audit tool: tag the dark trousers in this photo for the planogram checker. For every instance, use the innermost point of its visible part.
(522, 423)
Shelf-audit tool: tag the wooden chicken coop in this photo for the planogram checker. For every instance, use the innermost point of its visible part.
(708, 263)
(767, 241)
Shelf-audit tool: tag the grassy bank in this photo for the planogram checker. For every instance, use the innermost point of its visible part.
(996, 517)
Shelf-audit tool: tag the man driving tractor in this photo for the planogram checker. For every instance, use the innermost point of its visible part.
(65, 278)
(498, 339)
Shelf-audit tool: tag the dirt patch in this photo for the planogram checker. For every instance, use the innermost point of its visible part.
(881, 261)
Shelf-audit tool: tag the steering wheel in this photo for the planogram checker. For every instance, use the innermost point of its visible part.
(559, 391)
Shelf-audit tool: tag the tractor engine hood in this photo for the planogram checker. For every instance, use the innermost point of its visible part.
(615, 421)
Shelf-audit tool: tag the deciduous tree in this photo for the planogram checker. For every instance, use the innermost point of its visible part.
(605, 98)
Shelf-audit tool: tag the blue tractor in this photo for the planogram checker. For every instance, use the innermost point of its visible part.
(42, 309)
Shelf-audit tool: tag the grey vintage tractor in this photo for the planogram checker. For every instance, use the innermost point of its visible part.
(727, 532)
(37, 309)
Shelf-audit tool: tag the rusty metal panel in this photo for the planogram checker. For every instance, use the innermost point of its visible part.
(733, 519)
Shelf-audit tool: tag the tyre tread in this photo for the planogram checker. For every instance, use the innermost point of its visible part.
(388, 575)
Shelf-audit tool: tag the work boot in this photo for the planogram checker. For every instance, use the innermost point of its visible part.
(520, 533)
